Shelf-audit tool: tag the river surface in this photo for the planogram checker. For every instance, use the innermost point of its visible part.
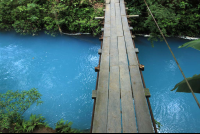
(177, 112)
(62, 69)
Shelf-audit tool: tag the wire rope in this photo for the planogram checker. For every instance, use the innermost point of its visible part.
(173, 56)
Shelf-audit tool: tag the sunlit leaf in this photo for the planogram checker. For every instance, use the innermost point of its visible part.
(194, 82)
(194, 44)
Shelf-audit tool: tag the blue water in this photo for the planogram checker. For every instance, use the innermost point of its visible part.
(61, 68)
(177, 112)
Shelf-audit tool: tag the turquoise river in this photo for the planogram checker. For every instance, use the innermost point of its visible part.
(62, 69)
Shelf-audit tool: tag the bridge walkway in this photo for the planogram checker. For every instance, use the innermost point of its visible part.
(121, 104)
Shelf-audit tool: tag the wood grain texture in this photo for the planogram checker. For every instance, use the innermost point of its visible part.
(141, 108)
(128, 114)
(107, 21)
(114, 115)
(100, 115)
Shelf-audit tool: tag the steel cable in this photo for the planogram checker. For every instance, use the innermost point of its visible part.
(173, 56)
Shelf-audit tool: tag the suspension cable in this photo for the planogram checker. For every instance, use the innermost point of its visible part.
(174, 57)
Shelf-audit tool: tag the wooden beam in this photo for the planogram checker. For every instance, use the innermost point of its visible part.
(136, 50)
(147, 93)
(101, 111)
(101, 38)
(94, 94)
(114, 115)
(98, 18)
(131, 16)
(99, 51)
(97, 68)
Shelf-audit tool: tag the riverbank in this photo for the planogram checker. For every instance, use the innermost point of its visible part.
(182, 37)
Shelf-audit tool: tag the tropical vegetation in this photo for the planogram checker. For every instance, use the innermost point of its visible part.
(14, 104)
(32, 16)
(194, 81)
(175, 17)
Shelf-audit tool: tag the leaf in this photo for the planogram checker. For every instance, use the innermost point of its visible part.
(194, 82)
(194, 44)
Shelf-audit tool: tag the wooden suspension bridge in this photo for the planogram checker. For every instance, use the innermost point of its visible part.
(120, 98)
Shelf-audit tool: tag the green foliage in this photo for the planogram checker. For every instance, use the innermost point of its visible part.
(175, 17)
(158, 124)
(194, 83)
(30, 125)
(65, 127)
(194, 44)
(32, 16)
(14, 104)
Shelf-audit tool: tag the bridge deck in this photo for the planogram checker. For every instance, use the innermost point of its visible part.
(120, 99)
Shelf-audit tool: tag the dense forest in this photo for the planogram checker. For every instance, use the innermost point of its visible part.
(175, 17)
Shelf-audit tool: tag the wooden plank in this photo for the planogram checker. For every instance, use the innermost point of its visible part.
(107, 21)
(129, 43)
(114, 52)
(98, 18)
(122, 52)
(141, 108)
(94, 94)
(136, 50)
(128, 114)
(107, 1)
(99, 51)
(118, 20)
(112, 13)
(132, 16)
(147, 92)
(113, 45)
(100, 114)
(122, 7)
(114, 114)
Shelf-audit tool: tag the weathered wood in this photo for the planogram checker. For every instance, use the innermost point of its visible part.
(118, 20)
(114, 52)
(129, 43)
(132, 16)
(147, 92)
(114, 115)
(107, 1)
(98, 18)
(97, 68)
(122, 7)
(99, 51)
(116, 1)
(128, 114)
(107, 21)
(112, 14)
(119, 76)
(141, 108)
(136, 50)
(101, 38)
(122, 52)
(100, 115)
(94, 94)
